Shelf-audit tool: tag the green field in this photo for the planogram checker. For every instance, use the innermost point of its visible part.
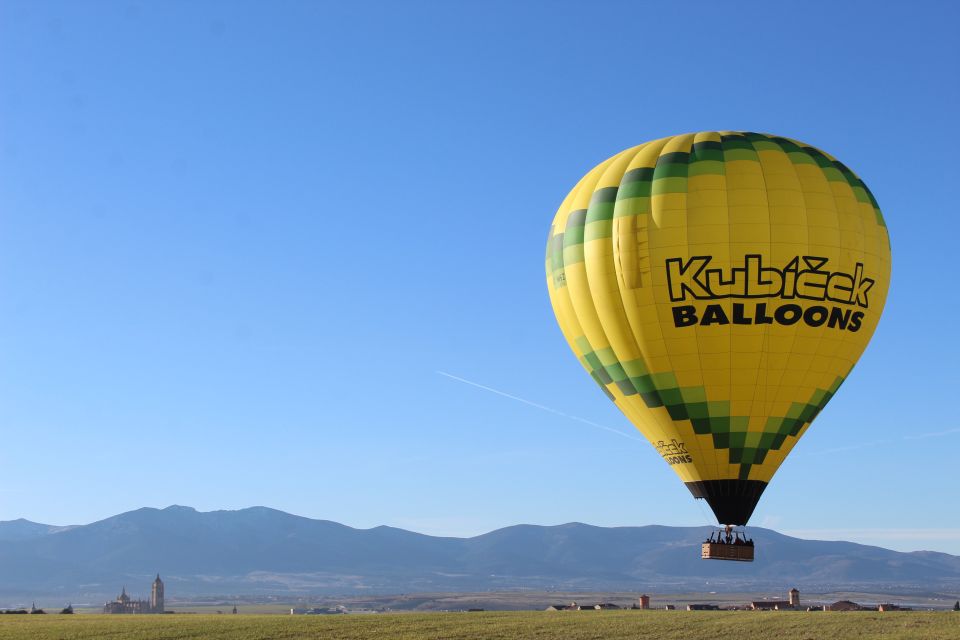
(594, 625)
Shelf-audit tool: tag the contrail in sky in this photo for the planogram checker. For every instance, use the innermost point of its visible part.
(877, 443)
(539, 406)
(866, 445)
(932, 434)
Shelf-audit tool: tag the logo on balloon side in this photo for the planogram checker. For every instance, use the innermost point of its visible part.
(803, 277)
(673, 452)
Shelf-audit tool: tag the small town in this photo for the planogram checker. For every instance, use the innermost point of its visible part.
(792, 603)
(124, 604)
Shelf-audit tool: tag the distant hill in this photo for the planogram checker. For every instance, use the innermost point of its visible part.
(21, 529)
(265, 551)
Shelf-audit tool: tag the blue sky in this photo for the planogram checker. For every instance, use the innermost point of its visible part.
(240, 241)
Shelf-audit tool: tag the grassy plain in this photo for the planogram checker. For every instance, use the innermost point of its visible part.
(511, 625)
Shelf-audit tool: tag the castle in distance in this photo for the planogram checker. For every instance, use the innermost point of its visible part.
(124, 604)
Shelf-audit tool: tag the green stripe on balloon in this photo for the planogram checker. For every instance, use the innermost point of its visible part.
(711, 417)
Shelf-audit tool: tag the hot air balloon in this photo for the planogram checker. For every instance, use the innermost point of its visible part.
(719, 287)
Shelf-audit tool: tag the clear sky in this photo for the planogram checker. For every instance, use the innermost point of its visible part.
(240, 241)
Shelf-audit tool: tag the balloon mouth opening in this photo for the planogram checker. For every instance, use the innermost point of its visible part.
(732, 501)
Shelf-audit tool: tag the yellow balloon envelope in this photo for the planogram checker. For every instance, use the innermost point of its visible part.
(719, 287)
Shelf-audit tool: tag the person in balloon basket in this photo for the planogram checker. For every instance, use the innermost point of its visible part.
(729, 536)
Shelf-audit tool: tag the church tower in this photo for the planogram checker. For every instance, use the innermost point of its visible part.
(156, 596)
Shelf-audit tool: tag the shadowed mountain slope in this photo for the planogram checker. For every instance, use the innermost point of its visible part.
(261, 550)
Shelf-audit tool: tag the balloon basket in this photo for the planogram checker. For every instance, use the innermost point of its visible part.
(720, 551)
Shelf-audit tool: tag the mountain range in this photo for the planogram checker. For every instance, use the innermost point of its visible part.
(261, 551)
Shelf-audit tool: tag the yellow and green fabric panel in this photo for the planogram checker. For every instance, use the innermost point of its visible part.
(719, 287)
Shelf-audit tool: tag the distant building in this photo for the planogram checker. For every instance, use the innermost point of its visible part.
(156, 596)
(844, 605)
(778, 605)
(318, 611)
(126, 604)
(703, 607)
(644, 602)
(573, 606)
